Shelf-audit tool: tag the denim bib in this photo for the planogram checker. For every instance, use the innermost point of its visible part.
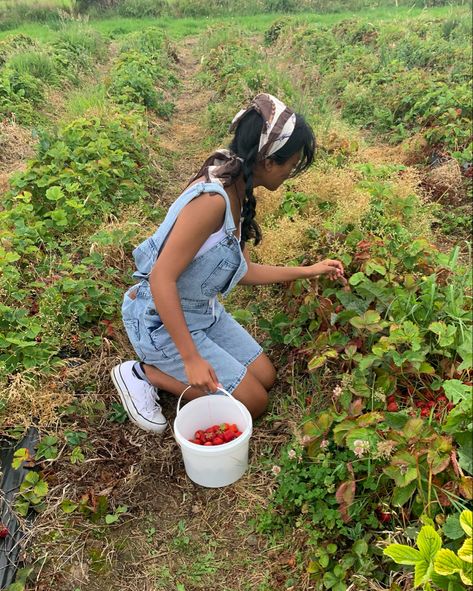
(216, 271)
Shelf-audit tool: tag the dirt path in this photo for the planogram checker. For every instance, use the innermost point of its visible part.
(184, 136)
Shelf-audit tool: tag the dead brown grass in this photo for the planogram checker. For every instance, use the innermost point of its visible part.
(16, 145)
(444, 183)
(37, 402)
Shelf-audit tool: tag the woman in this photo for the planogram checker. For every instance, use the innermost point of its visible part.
(180, 331)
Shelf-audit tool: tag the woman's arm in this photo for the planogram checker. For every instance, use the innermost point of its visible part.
(264, 274)
(193, 226)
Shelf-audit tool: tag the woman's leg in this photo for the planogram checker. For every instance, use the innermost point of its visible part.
(249, 391)
(263, 370)
(164, 381)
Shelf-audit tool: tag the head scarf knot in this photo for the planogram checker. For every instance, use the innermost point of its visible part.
(279, 122)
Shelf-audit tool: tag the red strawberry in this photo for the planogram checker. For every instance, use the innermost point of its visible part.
(228, 435)
(4, 532)
(425, 412)
(384, 516)
(391, 398)
(208, 443)
(218, 441)
(392, 407)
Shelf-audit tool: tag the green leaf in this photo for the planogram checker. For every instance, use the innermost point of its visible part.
(21, 455)
(319, 360)
(110, 518)
(413, 428)
(68, 506)
(447, 562)
(360, 547)
(466, 521)
(401, 494)
(369, 320)
(395, 420)
(402, 469)
(54, 194)
(452, 528)
(456, 391)
(466, 551)
(330, 580)
(357, 278)
(420, 573)
(41, 489)
(428, 542)
(402, 554)
(438, 456)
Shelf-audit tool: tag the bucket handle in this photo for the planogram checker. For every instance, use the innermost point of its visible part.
(232, 398)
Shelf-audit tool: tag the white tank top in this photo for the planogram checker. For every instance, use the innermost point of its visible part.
(213, 239)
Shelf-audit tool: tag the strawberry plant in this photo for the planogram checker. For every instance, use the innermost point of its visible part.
(432, 563)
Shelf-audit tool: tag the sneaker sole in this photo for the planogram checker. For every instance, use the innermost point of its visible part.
(130, 408)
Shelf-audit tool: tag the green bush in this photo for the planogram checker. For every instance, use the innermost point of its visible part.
(142, 8)
(15, 43)
(37, 64)
(20, 95)
(395, 79)
(76, 50)
(83, 173)
(142, 75)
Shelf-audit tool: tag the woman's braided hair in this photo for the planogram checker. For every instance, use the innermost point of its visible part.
(245, 144)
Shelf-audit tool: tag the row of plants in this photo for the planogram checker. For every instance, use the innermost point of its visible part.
(231, 66)
(396, 79)
(390, 450)
(392, 447)
(28, 69)
(56, 278)
(63, 266)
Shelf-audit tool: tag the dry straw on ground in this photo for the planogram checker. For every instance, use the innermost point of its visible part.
(444, 183)
(30, 402)
(16, 144)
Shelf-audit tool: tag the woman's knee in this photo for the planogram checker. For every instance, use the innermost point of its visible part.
(264, 371)
(252, 394)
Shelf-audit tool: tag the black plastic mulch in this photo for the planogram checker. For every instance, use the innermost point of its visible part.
(11, 545)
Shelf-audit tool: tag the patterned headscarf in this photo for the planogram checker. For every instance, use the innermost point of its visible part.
(278, 124)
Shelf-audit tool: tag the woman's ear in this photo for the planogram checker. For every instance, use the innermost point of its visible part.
(268, 164)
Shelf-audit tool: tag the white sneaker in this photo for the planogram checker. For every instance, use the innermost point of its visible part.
(139, 398)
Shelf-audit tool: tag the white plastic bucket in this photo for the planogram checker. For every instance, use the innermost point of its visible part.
(219, 465)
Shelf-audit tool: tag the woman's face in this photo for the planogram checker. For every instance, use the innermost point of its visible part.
(271, 175)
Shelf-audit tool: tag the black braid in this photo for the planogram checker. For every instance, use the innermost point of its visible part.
(250, 228)
(245, 144)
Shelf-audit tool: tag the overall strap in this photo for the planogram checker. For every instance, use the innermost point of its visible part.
(192, 192)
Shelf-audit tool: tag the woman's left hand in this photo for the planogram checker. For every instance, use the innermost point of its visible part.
(330, 268)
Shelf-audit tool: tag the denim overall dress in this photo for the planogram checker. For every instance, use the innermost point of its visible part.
(218, 337)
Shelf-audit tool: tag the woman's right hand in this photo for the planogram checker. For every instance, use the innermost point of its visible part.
(201, 374)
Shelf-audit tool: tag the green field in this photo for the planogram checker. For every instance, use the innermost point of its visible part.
(367, 439)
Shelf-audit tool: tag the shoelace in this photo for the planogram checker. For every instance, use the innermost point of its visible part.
(152, 397)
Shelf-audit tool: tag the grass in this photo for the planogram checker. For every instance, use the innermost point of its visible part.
(90, 97)
(180, 28)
